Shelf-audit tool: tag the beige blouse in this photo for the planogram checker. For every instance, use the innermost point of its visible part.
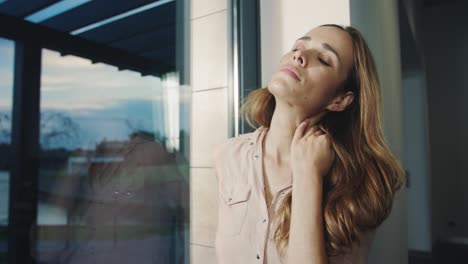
(243, 235)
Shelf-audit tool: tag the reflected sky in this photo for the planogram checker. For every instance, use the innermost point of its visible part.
(104, 102)
(6, 75)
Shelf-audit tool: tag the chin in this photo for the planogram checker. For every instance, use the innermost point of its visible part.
(279, 86)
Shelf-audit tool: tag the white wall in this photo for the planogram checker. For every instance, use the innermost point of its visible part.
(208, 74)
(445, 40)
(283, 22)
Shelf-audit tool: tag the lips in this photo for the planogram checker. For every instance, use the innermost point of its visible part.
(291, 71)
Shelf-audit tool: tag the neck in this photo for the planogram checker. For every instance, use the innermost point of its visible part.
(281, 131)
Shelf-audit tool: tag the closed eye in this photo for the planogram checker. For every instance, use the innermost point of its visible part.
(324, 62)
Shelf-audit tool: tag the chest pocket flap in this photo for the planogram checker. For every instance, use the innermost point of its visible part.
(239, 192)
(234, 209)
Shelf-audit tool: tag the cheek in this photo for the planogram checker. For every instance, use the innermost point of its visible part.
(319, 88)
(322, 81)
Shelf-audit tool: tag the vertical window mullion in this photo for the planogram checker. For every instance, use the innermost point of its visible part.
(25, 146)
(244, 59)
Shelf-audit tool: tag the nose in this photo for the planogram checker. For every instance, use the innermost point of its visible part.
(298, 58)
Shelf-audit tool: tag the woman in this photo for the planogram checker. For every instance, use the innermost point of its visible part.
(315, 179)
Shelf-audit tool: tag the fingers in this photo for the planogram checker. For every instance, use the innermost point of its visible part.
(300, 130)
(303, 130)
(319, 132)
(311, 131)
(316, 130)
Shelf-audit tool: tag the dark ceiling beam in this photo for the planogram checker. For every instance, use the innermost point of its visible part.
(64, 43)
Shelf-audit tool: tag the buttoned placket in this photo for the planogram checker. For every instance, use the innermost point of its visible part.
(264, 221)
(263, 225)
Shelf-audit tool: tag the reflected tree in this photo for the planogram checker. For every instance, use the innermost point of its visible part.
(5, 128)
(58, 130)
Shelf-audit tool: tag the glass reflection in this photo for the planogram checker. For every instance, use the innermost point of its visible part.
(113, 171)
(6, 96)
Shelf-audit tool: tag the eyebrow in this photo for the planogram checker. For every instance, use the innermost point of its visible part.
(325, 45)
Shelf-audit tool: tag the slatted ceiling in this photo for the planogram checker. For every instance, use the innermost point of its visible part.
(169, 62)
(24, 8)
(86, 14)
(165, 57)
(138, 33)
(162, 54)
(161, 67)
(148, 41)
(145, 21)
(148, 38)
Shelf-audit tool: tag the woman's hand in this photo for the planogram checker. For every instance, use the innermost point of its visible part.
(311, 151)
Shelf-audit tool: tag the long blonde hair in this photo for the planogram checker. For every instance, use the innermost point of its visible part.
(360, 187)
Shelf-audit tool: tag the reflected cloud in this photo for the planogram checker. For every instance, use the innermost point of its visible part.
(104, 102)
(85, 106)
(71, 82)
(6, 52)
(6, 75)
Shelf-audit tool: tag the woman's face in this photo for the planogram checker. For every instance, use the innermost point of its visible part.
(316, 66)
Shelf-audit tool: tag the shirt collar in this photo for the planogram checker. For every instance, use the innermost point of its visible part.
(258, 136)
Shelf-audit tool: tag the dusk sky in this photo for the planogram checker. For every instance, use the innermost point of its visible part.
(101, 99)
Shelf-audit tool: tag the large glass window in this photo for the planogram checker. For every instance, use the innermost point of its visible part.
(6, 88)
(113, 171)
(112, 183)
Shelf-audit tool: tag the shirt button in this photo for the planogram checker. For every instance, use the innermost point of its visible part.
(258, 256)
(264, 220)
(256, 156)
(251, 143)
(230, 199)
